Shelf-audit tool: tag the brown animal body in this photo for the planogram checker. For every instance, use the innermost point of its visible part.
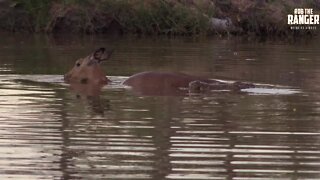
(88, 71)
(162, 83)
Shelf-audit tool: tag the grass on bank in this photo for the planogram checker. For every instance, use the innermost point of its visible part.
(169, 17)
(133, 16)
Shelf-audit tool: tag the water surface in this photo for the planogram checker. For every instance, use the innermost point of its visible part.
(51, 131)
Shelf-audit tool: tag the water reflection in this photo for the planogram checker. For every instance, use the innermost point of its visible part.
(91, 94)
(52, 131)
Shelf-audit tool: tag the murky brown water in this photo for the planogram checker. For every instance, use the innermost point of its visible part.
(48, 131)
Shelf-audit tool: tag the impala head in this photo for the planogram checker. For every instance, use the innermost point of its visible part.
(88, 69)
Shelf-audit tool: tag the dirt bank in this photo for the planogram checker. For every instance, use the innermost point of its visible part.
(171, 17)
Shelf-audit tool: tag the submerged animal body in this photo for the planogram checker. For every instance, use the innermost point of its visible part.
(163, 83)
(88, 71)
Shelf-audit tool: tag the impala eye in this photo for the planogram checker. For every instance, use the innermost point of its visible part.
(78, 64)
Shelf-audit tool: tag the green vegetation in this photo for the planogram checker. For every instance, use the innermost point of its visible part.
(160, 17)
(37, 10)
(154, 17)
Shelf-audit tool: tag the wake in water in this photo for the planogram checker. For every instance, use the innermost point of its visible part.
(261, 89)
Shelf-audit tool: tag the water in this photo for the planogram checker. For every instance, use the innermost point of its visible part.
(49, 130)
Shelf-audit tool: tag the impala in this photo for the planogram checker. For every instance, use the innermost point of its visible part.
(88, 70)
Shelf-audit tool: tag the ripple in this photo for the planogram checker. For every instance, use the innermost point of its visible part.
(270, 91)
(46, 133)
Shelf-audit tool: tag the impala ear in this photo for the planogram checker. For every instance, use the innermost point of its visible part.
(102, 54)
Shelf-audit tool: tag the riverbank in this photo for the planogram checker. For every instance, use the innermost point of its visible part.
(162, 17)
